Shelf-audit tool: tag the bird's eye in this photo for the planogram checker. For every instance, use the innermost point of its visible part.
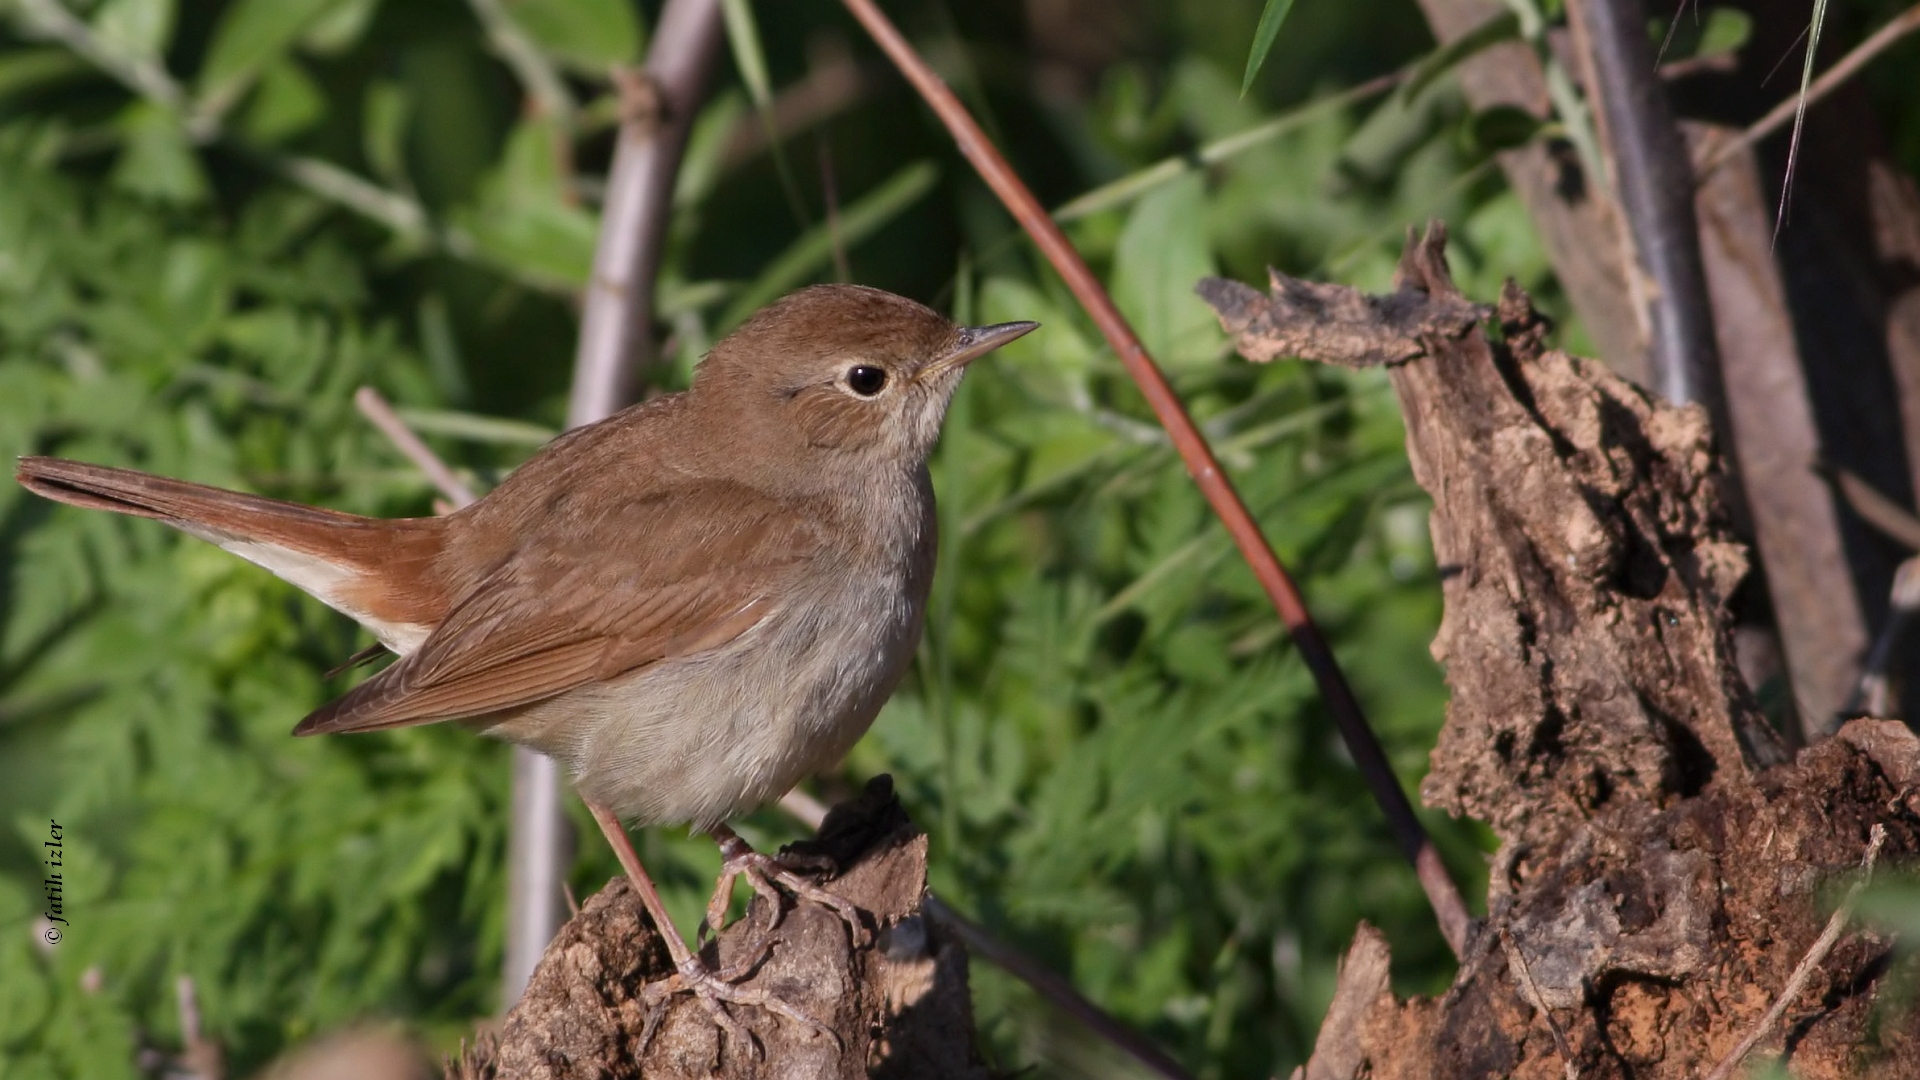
(866, 380)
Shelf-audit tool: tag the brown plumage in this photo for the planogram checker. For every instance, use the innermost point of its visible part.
(690, 604)
(664, 532)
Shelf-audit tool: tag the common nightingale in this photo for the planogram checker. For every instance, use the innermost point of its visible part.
(691, 604)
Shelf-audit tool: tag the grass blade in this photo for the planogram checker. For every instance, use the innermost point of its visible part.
(1263, 35)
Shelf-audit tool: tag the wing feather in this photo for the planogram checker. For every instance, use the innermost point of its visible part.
(557, 616)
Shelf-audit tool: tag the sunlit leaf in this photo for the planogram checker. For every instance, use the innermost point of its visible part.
(340, 27)
(286, 103)
(743, 34)
(139, 27)
(157, 160)
(1161, 253)
(250, 36)
(591, 34)
(1727, 30)
(523, 219)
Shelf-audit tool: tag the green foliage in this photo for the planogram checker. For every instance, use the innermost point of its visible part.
(1271, 17)
(221, 219)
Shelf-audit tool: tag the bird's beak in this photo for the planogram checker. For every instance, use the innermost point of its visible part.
(971, 343)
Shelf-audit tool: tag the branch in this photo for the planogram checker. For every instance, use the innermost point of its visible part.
(1655, 191)
(1361, 741)
(143, 75)
(616, 325)
(401, 213)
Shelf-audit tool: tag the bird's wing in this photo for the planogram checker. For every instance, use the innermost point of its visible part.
(675, 574)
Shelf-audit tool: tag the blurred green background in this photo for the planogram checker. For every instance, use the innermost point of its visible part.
(217, 219)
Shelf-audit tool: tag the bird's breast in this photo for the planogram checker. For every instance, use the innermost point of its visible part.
(703, 737)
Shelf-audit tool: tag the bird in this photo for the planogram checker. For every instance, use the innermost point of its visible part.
(691, 604)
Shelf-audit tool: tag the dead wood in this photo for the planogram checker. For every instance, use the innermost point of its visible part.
(899, 1005)
(1661, 860)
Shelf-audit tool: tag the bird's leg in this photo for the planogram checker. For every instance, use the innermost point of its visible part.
(740, 860)
(690, 975)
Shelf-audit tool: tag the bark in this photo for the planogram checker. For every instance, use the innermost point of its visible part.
(1826, 319)
(899, 1005)
(1661, 863)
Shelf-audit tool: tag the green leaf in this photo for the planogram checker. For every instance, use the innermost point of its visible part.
(286, 103)
(1719, 31)
(522, 218)
(340, 27)
(252, 36)
(1162, 253)
(1726, 31)
(27, 70)
(156, 159)
(1893, 903)
(592, 35)
(743, 35)
(139, 27)
(1271, 17)
(386, 112)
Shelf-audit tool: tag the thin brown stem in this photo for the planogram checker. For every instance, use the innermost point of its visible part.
(380, 414)
(1861, 55)
(1361, 741)
(1055, 989)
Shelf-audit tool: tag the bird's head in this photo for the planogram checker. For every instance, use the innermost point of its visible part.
(845, 370)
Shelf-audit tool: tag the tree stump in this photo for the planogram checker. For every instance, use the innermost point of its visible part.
(1662, 862)
(899, 1005)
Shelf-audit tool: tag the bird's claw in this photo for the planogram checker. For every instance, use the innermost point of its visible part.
(762, 871)
(715, 991)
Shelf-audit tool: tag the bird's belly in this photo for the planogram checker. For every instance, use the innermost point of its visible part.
(701, 738)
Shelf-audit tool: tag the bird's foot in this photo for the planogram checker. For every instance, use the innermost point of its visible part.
(763, 872)
(715, 990)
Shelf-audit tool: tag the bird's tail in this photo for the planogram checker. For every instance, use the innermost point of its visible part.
(345, 560)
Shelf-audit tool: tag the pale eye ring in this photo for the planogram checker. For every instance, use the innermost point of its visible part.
(866, 379)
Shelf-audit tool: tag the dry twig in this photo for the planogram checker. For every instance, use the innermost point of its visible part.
(380, 414)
